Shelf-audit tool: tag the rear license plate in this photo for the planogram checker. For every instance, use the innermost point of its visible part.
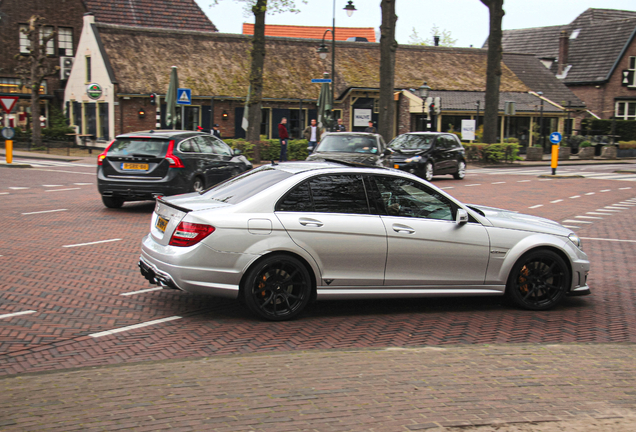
(134, 166)
(161, 224)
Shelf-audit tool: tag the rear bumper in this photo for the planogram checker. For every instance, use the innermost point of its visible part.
(139, 189)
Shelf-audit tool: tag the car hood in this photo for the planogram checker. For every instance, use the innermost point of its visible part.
(361, 158)
(512, 220)
(193, 202)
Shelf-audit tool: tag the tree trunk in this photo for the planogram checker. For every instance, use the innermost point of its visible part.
(493, 71)
(256, 77)
(388, 46)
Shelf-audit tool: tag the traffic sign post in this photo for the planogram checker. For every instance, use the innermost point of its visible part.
(555, 139)
(8, 103)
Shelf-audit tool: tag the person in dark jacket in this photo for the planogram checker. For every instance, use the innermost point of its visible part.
(371, 128)
(340, 127)
(216, 131)
(284, 138)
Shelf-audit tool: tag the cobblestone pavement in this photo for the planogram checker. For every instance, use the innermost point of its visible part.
(532, 387)
(69, 287)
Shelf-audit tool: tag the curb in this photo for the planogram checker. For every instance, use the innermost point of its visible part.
(14, 165)
(560, 176)
(43, 157)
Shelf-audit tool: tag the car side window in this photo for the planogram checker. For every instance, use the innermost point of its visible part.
(297, 200)
(204, 145)
(407, 198)
(189, 146)
(219, 147)
(339, 193)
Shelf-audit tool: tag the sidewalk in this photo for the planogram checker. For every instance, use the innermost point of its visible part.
(85, 158)
(571, 387)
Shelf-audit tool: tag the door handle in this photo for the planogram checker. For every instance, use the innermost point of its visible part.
(310, 222)
(403, 229)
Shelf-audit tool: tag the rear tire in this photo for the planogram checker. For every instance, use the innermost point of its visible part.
(197, 184)
(112, 202)
(538, 281)
(461, 171)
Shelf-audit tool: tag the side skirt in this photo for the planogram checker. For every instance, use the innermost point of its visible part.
(334, 293)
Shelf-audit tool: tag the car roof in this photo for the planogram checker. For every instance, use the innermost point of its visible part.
(367, 134)
(298, 167)
(161, 134)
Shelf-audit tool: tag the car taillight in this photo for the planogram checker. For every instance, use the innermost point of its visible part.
(101, 157)
(189, 234)
(174, 161)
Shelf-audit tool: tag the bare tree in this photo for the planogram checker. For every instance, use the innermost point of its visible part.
(493, 70)
(445, 37)
(34, 67)
(388, 46)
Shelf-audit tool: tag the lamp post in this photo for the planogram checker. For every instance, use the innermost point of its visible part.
(323, 50)
(422, 92)
(541, 122)
(477, 118)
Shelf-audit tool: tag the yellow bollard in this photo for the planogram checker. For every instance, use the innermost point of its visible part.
(555, 158)
(8, 148)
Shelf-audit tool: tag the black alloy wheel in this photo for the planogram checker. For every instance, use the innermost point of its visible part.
(428, 171)
(538, 281)
(112, 202)
(277, 288)
(197, 184)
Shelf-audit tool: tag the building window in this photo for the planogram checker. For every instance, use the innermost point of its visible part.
(626, 110)
(88, 69)
(50, 45)
(25, 43)
(65, 41)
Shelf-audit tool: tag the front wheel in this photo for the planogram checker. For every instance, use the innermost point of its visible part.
(277, 288)
(428, 171)
(112, 202)
(538, 281)
(461, 171)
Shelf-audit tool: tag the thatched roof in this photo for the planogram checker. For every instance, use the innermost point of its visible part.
(217, 64)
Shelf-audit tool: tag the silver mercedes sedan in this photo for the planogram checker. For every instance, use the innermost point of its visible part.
(282, 235)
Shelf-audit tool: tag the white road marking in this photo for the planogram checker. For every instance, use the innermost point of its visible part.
(625, 188)
(62, 171)
(599, 213)
(83, 184)
(52, 185)
(590, 193)
(136, 326)
(575, 221)
(10, 315)
(605, 210)
(141, 291)
(18, 188)
(58, 190)
(523, 181)
(624, 205)
(545, 179)
(44, 211)
(448, 187)
(555, 201)
(4, 193)
(571, 226)
(615, 208)
(588, 217)
(536, 206)
(498, 183)
(476, 184)
(609, 240)
(575, 196)
(91, 243)
(606, 190)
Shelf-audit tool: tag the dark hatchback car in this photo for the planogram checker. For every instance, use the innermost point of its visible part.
(140, 165)
(356, 147)
(426, 154)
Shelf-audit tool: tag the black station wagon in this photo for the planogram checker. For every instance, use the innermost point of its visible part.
(141, 165)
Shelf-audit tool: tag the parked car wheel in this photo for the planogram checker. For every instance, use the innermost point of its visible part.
(428, 171)
(112, 202)
(197, 184)
(277, 288)
(461, 171)
(538, 281)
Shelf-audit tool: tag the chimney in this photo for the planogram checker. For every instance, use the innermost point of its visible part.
(563, 52)
(436, 39)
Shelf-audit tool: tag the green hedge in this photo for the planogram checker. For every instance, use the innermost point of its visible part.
(492, 153)
(625, 129)
(270, 149)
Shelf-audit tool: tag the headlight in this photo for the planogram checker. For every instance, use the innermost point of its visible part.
(576, 240)
(414, 159)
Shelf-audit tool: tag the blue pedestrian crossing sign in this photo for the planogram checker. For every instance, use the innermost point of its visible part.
(555, 137)
(184, 96)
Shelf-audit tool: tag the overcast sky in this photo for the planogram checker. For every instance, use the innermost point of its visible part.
(466, 20)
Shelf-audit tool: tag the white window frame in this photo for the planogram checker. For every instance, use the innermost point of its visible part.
(625, 105)
(65, 41)
(25, 43)
(50, 46)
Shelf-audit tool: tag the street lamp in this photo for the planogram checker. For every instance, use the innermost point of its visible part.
(323, 50)
(422, 92)
(541, 137)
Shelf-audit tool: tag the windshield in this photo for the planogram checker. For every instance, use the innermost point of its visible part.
(138, 146)
(412, 142)
(347, 144)
(240, 188)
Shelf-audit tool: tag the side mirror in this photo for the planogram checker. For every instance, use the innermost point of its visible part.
(237, 152)
(462, 216)
(387, 152)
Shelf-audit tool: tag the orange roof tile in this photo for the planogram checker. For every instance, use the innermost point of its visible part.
(310, 32)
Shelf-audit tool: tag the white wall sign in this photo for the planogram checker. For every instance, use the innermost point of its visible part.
(468, 130)
(361, 117)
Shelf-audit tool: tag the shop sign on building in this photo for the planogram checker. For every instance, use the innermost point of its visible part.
(94, 91)
(468, 130)
(361, 117)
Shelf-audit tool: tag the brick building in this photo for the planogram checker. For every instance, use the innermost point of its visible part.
(65, 17)
(594, 56)
(131, 64)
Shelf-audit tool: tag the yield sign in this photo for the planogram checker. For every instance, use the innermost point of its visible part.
(8, 102)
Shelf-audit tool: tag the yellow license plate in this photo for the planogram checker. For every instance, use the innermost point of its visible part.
(134, 166)
(161, 224)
